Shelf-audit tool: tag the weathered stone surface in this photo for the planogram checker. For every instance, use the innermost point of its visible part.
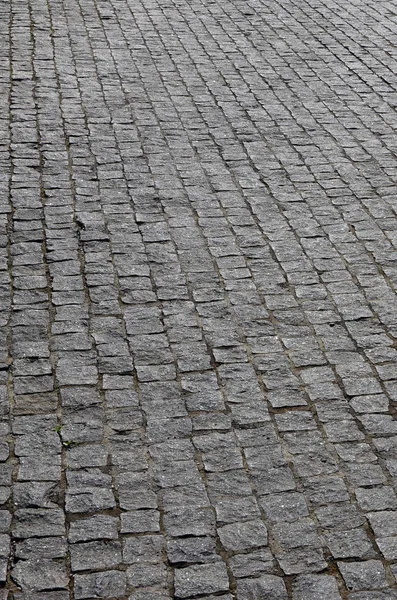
(367, 575)
(99, 585)
(315, 587)
(38, 574)
(200, 579)
(198, 299)
(267, 586)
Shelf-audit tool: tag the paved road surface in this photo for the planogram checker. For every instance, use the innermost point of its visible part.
(198, 275)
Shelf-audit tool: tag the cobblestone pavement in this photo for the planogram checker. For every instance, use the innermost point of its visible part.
(198, 323)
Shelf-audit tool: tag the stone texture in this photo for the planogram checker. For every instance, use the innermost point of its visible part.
(198, 300)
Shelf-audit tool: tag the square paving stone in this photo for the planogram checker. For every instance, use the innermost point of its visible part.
(353, 543)
(325, 490)
(143, 549)
(289, 506)
(315, 587)
(95, 555)
(192, 550)
(376, 498)
(302, 560)
(230, 509)
(267, 587)
(201, 579)
(31, 522)
(107, 584)
(146, 575)
(366, 575)
(273, 480)
(140, 521)
(34, 548)
(254, 564)
(388, 547)
(97, 527)
(243, 536)
(297, 534)
(184, 521)
(37, 574)
(383, 523)
(341, 516)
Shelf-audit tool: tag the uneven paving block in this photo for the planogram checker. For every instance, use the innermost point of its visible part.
(353, 543)
(91, 555)
(32, 522)
(46, 548)
(186, 521)
(297, 534)
(383, 523)
(315, 587)
(146, 575)
(267, 586)
(253, 564)
(365, 575)
(143, 549)
(243, 536)
(39, 575)
(89, 491)
(289, 506)
(200, 579)
(95, 527)
(301, 560)
(191, 550)
(99, 585)
(140, 521)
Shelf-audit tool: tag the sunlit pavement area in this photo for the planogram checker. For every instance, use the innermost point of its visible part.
(198, 275)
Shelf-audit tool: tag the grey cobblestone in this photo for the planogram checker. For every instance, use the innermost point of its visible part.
(198, 298)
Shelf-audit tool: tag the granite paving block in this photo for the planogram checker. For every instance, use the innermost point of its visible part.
(198, 297)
